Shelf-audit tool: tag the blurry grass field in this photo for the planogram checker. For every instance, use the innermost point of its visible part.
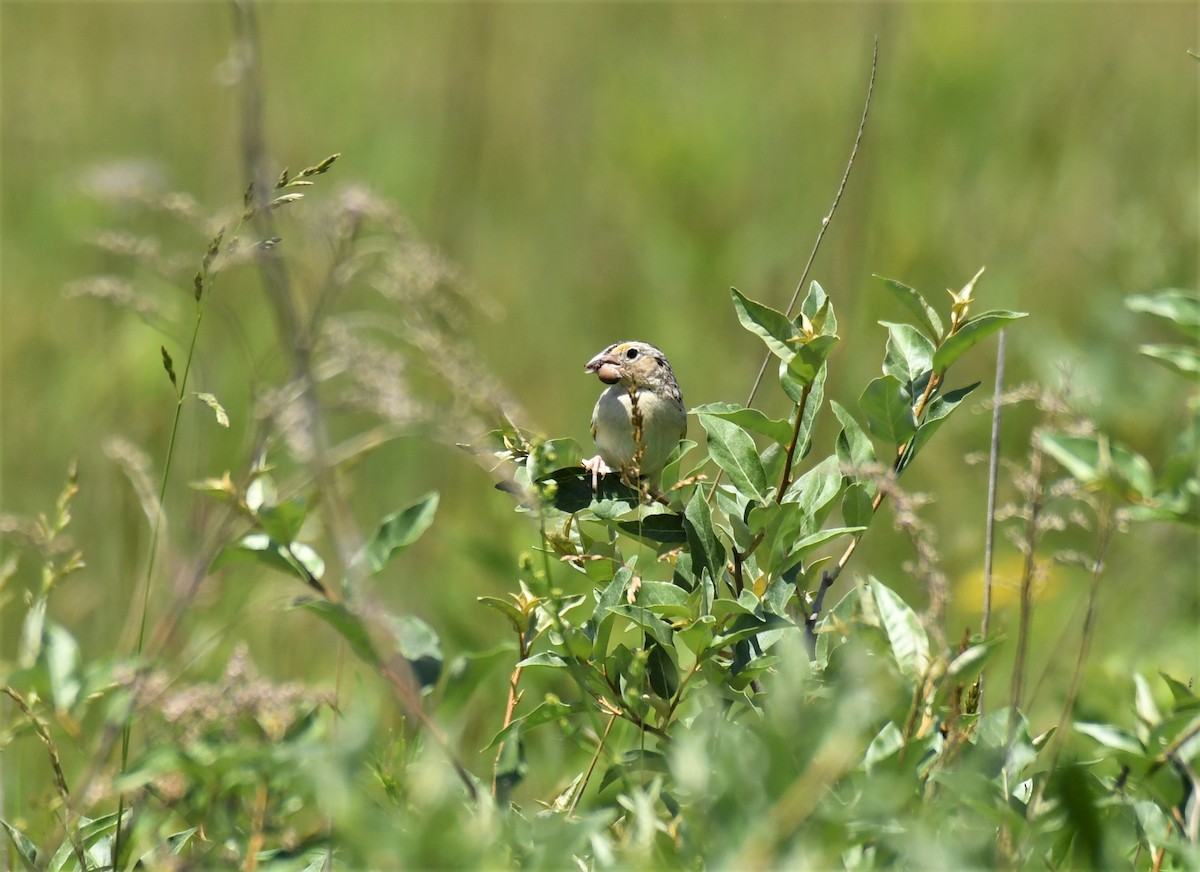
(599, 172)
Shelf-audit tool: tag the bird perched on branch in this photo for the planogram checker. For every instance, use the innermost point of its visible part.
(640, 417)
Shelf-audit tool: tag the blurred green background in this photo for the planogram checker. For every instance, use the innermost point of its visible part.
(604, 171)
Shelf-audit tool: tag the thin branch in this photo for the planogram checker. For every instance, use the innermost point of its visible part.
(810, 622)
(801, 407)
(825, 222)
(862, 125)
(587, 776)
(993, 476)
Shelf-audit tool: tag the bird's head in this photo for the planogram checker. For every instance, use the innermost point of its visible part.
(633, 364)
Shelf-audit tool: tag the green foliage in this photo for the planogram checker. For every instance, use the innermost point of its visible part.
(675, 673)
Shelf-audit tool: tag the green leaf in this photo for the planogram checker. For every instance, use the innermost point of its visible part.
(1144, 705)
(1112, 737)
(702, 538)
(672, 472)
(1182, 359)
(910, 645)
(971, 332)
(771, 326)
(400, 530)
(663, 598)
(347, 624)
(544, 658)
(819, 309)
(662, 528)
(418, 643)
(916, 304)
(857, 509)
(909, 355)
(816, 396)
(968, 664)
(887, 742)
(507, 608)
(935, 415)
(1178, 306)
(574, 491)
(614, 593)
(888, 407)
(809, 358)
(511, 767)
(746, 626)
(282, 522)
(734, 451)
(550, 710)
(551, 455)
(748, 419)
(648, 621)
(26, 850)
(780, 524)
(295, 559)
(854, 448)
(1180, 692)
(1094, 460)
(60, 652)
(807, 544)
(638, 763)
(661, 672)
(818, 487)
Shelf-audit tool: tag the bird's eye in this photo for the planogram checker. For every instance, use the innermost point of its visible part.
(631, 354)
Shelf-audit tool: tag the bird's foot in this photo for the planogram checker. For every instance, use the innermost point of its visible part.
(597, 467)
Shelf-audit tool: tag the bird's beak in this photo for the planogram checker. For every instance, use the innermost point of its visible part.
(607, 367)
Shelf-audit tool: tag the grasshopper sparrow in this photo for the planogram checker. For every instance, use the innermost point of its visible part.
(640, 417)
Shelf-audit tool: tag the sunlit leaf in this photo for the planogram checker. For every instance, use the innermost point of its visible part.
(817, 487)
(296, 559)
(748, 419)
(887, 742)
(418, 643)
(282, 521)
(648, 621)
(908, 356)
(400, 530)
(809, 358)
(26, 850)
(910, 645)
(1095, 460)
(888, 407)
(507, 608)
(926, 315)
(1112, 737)
(1182, 359)
(733, 450)
(854, 448)
(773, 327)
(1178, 306)
(702, 538)
(857, 509)
(973, 331)
(60, 652)
(347, 624)
(818, 308)
(549, 710)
